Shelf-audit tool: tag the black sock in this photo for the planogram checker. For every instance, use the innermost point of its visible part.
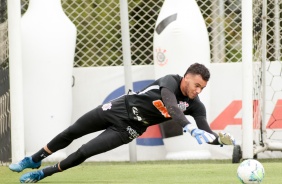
(48, 171)
(40, 155)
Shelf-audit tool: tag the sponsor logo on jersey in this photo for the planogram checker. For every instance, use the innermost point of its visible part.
(136, 114)
(107, 106)
(133, 134)
(161, 107)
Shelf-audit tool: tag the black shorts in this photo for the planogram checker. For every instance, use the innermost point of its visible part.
(115, 113)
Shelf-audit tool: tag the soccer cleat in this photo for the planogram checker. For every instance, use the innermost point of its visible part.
(23, 164)
(32, 177)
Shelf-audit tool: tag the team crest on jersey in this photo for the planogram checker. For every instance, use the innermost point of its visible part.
(183, 105)
(107, 106)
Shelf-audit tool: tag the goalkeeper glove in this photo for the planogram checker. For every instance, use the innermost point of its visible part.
(226, 139)
(198, 133)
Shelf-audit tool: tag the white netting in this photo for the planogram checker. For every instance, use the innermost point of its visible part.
(267, 74)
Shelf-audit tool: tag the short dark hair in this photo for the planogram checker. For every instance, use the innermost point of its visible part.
(199, 69)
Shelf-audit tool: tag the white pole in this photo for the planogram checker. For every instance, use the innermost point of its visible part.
(247, 61)
(264, 57)
(127, 63)
(16, 87)
(277, 30)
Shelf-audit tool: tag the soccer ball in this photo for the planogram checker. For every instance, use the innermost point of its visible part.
(250, 171)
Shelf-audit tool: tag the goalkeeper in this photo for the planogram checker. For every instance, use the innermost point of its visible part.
(169, 98)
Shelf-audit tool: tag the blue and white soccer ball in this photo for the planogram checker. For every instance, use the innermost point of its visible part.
(250, 171)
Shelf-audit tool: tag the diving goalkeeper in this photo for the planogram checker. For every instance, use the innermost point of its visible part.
(169, 98)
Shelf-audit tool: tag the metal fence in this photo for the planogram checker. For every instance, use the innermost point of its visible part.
(99, 35)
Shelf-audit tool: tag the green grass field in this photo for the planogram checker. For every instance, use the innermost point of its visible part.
(167, 172)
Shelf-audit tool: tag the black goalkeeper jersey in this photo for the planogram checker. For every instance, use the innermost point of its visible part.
(147, 107)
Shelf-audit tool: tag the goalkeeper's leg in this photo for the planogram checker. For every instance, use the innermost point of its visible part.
(107, 140)
(88, 123)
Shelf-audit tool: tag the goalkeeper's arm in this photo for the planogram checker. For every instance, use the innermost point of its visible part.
(221, 139)
(177, 115)
(170, 103)
(204, 130)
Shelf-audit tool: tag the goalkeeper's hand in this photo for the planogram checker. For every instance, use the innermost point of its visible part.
(226, 139)
(199, 134)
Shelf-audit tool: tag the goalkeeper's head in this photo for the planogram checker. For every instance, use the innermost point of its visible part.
(195, 80)
(199, 69)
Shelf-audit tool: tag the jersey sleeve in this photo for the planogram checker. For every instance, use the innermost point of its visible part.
(174, 111)
(169, 82)
(202, 124)
(199, 115)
